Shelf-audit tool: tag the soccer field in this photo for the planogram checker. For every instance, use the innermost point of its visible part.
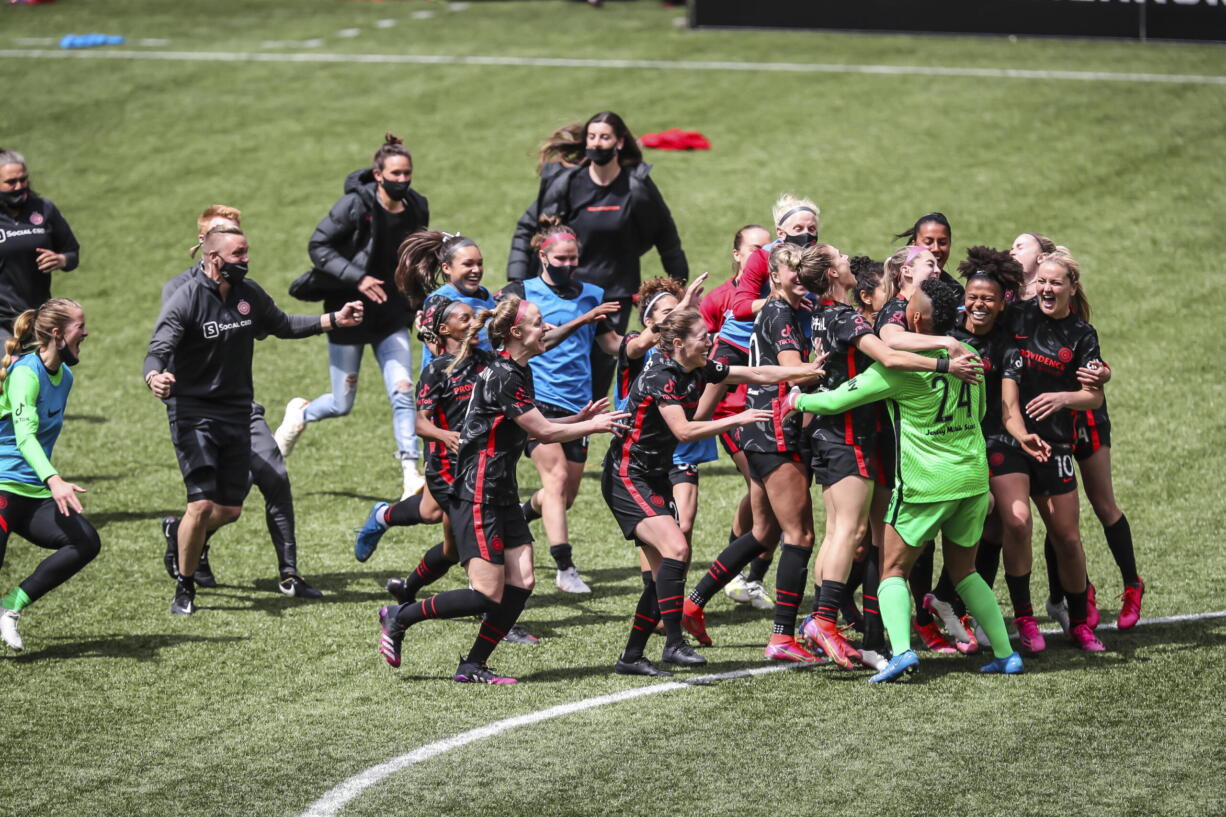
(261, 705)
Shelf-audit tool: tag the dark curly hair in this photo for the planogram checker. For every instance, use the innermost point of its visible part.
(987, 264)
(944, 304)
(868, 277)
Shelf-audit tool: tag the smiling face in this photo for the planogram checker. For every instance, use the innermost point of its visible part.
(1026, 251)
(465, 268)
(984, 302)
(786, 283)
(934, 237)
(922, 267)
(663, 305)
(529, 332)
(691, 350)
(1054, 289)
(73, 333)
(456, 326)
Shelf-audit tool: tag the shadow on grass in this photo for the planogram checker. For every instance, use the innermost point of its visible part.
(92, 419)
(706, 469)
(138, 647)
(350, 495)
(263, 596)
(153, 517)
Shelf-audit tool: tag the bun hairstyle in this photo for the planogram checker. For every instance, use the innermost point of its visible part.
(816, 261)
(1079, 302)
(1045, 243)
(676, 325)
(498, 322)
(788, 204)
(213, 211)
(393, 145)
(987, 264)
(565, 145)
(868, 277)
(738, 240)
(930, 218)
(422, 256)
(551, 225)
(944, 304)
(652, 288)
(785, 254)
(630, 153)
(34, 328)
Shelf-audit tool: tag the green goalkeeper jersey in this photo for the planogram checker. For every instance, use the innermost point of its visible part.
(941, 450)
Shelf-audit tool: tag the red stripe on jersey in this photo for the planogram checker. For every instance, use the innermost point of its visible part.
(444, 456)
(4, 525)
(777, 417)
(849, 436)
(623, 469)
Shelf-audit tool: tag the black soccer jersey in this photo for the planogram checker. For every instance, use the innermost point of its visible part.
(778, 328)
(1052, 351)
(491, 442)
(628, 370)
(893, 312)
(836, 326)
(999, 355)
(646, 448)
(443, 397)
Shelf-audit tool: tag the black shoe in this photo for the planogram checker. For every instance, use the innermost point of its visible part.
(639, 666)
(518, 635)
(184, 603)
(204, 574)
(296, 586)
(682, 654)
(400, 592)
(170, 532)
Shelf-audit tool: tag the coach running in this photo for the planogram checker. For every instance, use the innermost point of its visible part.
(208, 327)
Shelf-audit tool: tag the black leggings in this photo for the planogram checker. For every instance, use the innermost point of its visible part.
(73, 539)
(269, 474)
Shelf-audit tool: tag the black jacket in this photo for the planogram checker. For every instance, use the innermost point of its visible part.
(652, 225)
(341, 247)
(38, 224)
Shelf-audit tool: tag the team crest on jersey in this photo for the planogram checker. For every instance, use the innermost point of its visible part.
(36, 219)
(1065, 354)
(244, 308)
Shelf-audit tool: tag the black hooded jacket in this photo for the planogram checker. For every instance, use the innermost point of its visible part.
(341, 247)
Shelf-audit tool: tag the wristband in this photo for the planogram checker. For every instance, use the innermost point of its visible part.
(942, 364)
(332, 318)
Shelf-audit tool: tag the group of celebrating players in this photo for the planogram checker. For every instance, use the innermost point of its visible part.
(923, 406)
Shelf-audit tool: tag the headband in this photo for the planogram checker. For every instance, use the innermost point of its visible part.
(449, 250)
(802, 208)
(652, 302)
(555, 238)
(913, 251)
(519, 311)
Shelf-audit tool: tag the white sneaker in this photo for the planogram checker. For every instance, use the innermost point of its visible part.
(8, 628)
(292, 425)
(1058, 613)
(414, 482)
(736, 589)
(569, 581)
(758, 597)
(873, 660)
(949, 620)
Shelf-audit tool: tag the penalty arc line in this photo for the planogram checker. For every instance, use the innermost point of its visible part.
(654, 65)
(340, 795)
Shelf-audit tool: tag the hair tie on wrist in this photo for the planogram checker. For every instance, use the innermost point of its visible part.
(942, 364)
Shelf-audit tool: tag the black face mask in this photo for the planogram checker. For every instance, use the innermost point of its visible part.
(66, 356)
(232, 272)
(396, 191)
(601, 156)
(13, 199)
(801, 239)
(562, 274)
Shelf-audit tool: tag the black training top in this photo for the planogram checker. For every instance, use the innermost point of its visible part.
(893, 312)
(646, 448)
(836, 326)
(601, 215)
(443, 398)
(778, 328)
(211, 340)
(1000, 355)
(37, 224)
(1052, 351)
(628, 370)
(491, 442)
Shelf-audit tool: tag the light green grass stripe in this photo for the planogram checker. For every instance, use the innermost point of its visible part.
(567, 62)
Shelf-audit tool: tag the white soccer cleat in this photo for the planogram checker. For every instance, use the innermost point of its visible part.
(759, 599)
(1058, 613)
(8, 628)
(736, 590)
(873, 660)
(949, 619)
(569, 581)
(292, 425)
(414, 482)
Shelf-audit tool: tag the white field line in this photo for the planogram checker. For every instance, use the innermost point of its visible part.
(336, 799)
(567, 62)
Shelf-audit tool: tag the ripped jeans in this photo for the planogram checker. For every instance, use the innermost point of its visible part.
(395, 359)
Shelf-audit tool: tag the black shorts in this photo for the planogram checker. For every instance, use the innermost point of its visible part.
(214, 457)
(683, 475)
(728, 354)
(763, 464)
(832, 462)
(731, 441)
(633, 498)
(575, 450)
(1051, 478)
(486, 531)
(438, 487)
(1091, 436)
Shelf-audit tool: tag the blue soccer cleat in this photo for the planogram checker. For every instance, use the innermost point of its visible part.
(370, 533)
(900, 665)
(1009, 665)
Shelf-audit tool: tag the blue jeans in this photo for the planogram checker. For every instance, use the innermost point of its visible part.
(395, 359)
